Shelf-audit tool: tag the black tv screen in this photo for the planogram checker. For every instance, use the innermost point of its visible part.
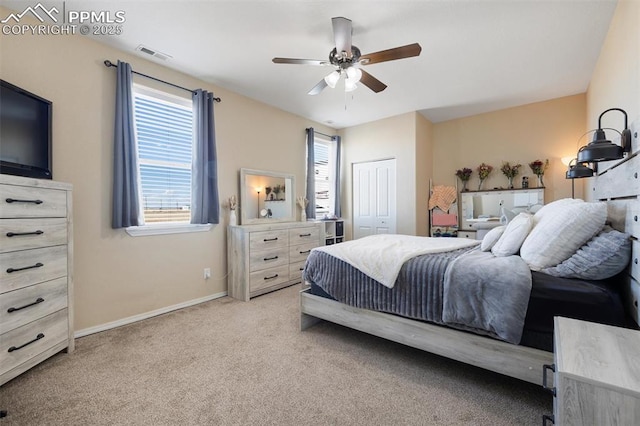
(25, 133)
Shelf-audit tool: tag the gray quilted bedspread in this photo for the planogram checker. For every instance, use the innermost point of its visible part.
(465, 289)
(417, 294)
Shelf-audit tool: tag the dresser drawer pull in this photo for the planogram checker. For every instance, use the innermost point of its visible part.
(546, 418)
(271, 277)
(270, 239)
(13, 200)
(37, 265)
(270, 258)
(18, 234)
(305, 252)
(546, 367)
(38, 300)
(15, 348)
(305, 235)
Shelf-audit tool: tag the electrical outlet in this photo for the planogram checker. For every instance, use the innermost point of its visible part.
(207, 273)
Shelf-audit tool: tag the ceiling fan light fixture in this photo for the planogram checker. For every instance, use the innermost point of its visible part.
(354, 74)
(332, 79)
(350, 84)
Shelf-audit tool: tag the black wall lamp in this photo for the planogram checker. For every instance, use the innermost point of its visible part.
(577, 171)
(601, 149)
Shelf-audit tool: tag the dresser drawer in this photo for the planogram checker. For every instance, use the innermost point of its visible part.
(301, 252)
(22, 234)
(23, 202)
(304, 235)
(263, 240)
(295, 271)
(27, 304)
(21, 344)
(263, 259)
(269, 277)
(27, 267)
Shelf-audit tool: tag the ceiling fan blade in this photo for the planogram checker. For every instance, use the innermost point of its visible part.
(300, 61)
(371, 82)
(391, 54)
(318, 87)
(342, 31)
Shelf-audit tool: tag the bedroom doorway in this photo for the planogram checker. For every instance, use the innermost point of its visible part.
(374, 198)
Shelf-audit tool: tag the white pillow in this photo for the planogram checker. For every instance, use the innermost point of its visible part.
(561, 231)
(513, 236)
(491, 238)
(553, 207)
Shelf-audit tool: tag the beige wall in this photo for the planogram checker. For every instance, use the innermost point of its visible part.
(616, 79)
(424, 170)
(393, 137)
(542, 130)
(118, 276)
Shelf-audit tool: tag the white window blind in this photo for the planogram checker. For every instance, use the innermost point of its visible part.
(164, 135)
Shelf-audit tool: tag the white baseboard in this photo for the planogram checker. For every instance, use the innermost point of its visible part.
(146, 315)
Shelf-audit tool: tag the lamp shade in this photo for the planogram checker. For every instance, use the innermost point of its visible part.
(599, 150)
(332, 79)
(579, 171)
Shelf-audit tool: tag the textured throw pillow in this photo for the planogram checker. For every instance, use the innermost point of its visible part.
(491, 238)
(560, 232)
(604, 256)
(514, 234)
(553, 207)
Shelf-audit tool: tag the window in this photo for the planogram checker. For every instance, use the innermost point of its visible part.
(165, 138)
(325, 176)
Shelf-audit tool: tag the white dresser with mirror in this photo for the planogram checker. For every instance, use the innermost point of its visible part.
(269, 249)
(481, 211)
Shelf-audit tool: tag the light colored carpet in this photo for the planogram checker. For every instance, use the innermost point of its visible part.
(227, 362)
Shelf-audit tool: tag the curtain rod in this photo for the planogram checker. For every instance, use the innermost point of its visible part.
(320, 133)
(108, 63)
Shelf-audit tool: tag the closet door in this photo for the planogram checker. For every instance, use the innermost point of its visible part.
(374, 198)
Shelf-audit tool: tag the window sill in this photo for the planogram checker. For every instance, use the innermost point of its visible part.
(166, 228)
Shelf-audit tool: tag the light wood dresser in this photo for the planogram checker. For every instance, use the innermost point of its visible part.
(263, 258)
(36, 290)
(597, 374)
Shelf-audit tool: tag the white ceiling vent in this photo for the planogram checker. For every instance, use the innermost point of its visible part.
(154, 53)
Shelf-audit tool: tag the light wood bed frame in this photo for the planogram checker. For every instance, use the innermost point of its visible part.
(619, 186)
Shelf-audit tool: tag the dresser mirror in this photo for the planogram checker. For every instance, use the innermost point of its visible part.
(478, 207)
(266, 197)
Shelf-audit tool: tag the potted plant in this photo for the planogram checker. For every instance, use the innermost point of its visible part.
(464, 175)
(538, 167)
(483, 172)
(510, 171)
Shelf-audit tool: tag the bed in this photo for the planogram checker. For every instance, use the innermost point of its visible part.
(612, 301)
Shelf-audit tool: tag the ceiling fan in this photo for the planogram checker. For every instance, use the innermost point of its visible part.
(347, 59)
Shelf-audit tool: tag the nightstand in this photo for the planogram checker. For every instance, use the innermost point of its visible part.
(596, 374)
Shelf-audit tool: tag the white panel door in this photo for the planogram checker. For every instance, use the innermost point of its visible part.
(374, 198)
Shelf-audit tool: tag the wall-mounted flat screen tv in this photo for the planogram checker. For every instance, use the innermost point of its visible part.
(25, 133)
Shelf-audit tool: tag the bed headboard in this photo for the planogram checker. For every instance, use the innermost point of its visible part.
(619, 186)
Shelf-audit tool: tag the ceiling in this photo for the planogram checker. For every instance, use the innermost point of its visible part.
(477, 55)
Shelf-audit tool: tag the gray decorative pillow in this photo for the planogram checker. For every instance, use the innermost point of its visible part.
(604, 256)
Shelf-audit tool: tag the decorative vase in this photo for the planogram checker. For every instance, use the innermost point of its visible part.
(303, 215)
(540, 181)
(510, 181)
(233, 220)
(480, 185)
(464, 185)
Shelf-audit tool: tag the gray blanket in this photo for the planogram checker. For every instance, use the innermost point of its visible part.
(487, 294)
(482, 294)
